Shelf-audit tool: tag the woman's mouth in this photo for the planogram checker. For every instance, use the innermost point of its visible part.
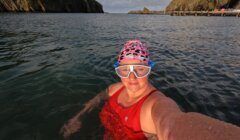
(133, 84)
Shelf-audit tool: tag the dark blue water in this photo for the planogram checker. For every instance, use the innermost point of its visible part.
(51, 64)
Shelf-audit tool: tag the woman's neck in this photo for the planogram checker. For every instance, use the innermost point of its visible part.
(135, 95)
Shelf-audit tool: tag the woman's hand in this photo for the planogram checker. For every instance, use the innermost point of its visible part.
(71, 127)
(74, 124)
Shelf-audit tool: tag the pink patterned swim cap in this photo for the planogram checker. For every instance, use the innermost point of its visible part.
(134, 50)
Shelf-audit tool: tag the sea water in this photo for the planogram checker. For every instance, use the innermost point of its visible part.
(51, 64)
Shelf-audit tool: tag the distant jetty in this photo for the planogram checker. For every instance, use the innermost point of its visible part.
(216, 12)
(234, 12)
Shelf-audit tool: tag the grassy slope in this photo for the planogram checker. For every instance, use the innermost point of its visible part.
(193, 5)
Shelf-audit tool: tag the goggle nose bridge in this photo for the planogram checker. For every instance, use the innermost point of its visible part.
(131, 68)
(132, 71)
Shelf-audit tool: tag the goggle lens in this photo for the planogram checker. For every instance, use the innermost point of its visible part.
(139, 71)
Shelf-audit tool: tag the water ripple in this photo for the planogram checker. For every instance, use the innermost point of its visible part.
(51, 64)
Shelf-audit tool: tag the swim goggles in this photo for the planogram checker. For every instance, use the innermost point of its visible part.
(139, 71)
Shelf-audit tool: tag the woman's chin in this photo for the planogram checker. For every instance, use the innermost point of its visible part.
(133, 87)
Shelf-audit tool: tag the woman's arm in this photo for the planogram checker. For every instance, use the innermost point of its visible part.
(196, 126)
(74, 124)
(173, 124)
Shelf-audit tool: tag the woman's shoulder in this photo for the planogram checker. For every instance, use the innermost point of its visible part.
(159, 99)
(113, 88)
(154, 97)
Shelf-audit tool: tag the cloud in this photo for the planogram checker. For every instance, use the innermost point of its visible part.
(127, 5)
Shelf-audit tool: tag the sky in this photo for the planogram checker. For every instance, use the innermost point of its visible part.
(124, 6)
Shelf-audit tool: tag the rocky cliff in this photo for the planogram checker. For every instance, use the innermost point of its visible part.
(146, 11)
(82, 6)
(235, 4)
(201, 5)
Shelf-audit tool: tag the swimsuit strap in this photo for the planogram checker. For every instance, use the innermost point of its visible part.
(117, 92)
(139, 102)
(114, 97)
(145, 97)
(151, 93)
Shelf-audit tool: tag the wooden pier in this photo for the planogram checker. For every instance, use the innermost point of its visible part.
(204, 13)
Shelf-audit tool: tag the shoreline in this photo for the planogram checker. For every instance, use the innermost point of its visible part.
(204, 13)
(194, 13)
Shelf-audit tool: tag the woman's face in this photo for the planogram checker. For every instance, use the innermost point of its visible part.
(133, 83)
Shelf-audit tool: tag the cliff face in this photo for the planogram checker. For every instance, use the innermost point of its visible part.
(83, 6)
(199, 5)
(235, 4)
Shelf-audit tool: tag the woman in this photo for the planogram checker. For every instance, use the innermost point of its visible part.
(135, 110)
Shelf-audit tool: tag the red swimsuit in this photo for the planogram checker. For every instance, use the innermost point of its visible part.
(122, 123)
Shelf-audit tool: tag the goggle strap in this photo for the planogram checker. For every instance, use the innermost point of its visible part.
(151, 63)
(116, 64)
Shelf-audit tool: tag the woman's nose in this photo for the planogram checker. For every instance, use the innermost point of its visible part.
(132, 76)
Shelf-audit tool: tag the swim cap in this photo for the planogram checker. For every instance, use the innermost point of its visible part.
(134, 50)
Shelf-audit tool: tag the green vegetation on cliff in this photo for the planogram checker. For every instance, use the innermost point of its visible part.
(200, 5)
(83, 6)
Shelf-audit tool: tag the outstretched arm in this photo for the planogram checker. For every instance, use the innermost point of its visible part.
(74, 124)
(173, 124)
